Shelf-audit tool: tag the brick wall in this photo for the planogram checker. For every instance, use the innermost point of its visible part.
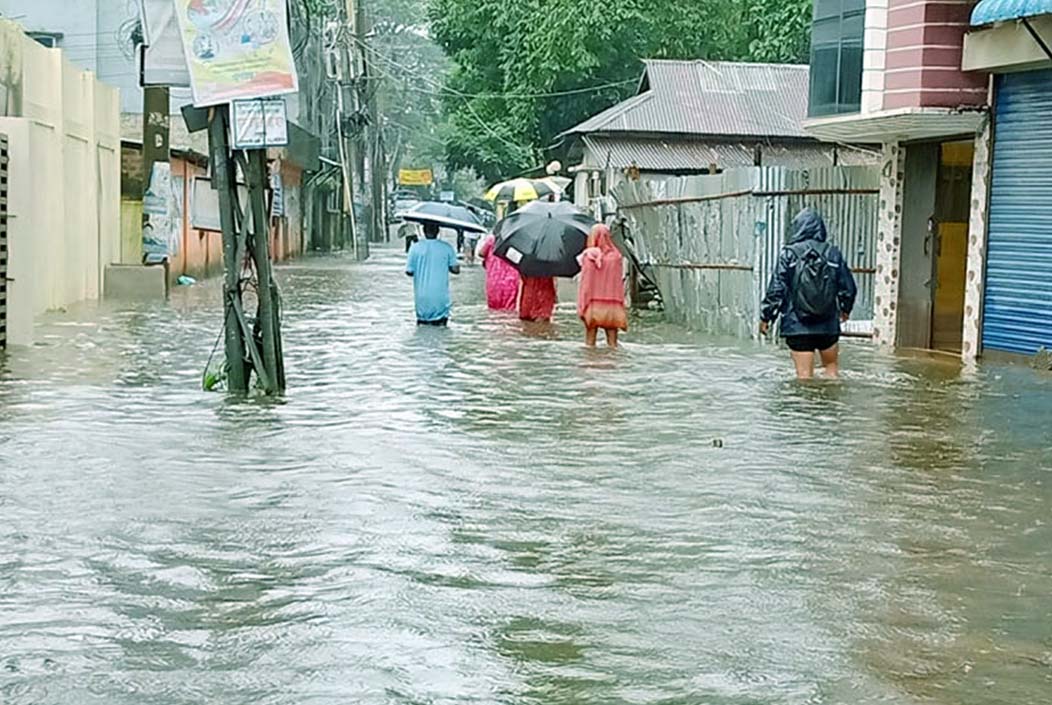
(131, 173)
(922, 65)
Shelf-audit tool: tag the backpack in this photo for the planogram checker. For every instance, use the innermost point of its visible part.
(815, 286)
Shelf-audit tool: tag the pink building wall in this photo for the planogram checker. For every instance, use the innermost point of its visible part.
(922, 63)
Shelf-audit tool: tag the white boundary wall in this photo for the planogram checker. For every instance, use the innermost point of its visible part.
(64, 185)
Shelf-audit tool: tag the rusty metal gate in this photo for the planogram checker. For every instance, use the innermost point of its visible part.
(3, 241)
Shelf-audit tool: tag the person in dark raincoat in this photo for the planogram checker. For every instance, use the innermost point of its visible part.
(803, 333)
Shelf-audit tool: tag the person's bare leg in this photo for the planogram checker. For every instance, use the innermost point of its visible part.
(804, 363)
(611, 337)
(831, 362)
(590, 334)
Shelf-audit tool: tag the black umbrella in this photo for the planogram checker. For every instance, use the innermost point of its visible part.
(445, 215)
(543, 239)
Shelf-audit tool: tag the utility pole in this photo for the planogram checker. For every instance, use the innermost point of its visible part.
(225, 184)
(250, 346)
(156, 149)
(156, 129)
(354, 156)
(367, 147)
(377, 167)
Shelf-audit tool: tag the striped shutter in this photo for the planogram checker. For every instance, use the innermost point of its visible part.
(3, 241)
(1017, 311)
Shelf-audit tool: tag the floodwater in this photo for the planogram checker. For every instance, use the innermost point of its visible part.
(487, 515)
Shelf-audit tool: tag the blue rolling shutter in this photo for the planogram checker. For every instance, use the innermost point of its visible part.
(1017, 312)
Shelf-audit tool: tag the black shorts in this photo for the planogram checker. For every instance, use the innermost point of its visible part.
(439, 322)
(810, 343)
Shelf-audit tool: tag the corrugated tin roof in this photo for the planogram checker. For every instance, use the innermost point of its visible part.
(678, 155)
(718, 98)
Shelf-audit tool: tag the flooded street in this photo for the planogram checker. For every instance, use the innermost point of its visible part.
(480, 515)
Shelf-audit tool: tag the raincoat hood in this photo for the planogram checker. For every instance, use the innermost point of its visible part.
(807, 225)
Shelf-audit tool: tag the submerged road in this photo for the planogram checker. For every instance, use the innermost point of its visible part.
(491, 515)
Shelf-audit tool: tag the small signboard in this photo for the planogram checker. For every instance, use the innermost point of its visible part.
(415, 177)
(204, 205)
(447, 197)
(258, 124)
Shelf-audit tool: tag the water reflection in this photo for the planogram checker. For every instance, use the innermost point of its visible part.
(481, 515)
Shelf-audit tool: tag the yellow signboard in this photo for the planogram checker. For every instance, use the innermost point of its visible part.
(236, 49)
(415, 177)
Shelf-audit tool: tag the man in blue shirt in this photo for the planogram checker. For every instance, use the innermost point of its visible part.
(430, 263)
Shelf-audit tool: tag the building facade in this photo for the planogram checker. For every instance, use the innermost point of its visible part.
(956, 92)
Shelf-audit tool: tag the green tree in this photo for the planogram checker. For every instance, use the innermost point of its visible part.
(524, 72)
(408, 70)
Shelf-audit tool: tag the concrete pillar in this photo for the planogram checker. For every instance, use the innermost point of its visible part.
(974, 283)
(889, 245)
(580, 189)
(874, 55)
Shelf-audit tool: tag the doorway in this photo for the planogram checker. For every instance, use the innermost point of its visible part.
(936, 208)
(950, 244)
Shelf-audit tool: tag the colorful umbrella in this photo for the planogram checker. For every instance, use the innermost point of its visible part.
(518, 190)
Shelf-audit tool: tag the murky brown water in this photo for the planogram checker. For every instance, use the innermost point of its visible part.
(475, 515)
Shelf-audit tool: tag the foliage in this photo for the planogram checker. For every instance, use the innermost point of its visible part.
(468, 185)
(407, 71)
(509, 56)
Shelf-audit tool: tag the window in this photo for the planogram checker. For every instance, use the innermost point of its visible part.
(836, 56)
(49, 39)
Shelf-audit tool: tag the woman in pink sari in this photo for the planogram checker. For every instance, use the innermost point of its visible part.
(502, 280)
(601, 295)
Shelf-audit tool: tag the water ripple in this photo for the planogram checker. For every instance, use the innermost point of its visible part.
(492, 514)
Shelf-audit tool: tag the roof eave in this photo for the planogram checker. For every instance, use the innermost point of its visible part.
(721, 137)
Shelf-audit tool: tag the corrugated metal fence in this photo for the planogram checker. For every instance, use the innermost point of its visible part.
(713, 241)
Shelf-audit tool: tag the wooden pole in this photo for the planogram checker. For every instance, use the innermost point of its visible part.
(260, 249)
(225, 184)
(156, 148)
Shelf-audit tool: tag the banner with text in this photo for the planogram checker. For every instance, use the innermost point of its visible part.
(236, 49)
(415, 177)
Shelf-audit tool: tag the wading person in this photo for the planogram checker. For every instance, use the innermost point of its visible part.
(813, 291)
(601, 294)
(537, 299)
(471, 243)
(502, 280)
(430, 263)
(410, 233)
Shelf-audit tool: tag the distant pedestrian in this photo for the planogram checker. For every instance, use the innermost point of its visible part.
(502, 279)
(814, 292)
(410, 232)
(430, 263)
(537, 299)
(471, 243)
(601, 293)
